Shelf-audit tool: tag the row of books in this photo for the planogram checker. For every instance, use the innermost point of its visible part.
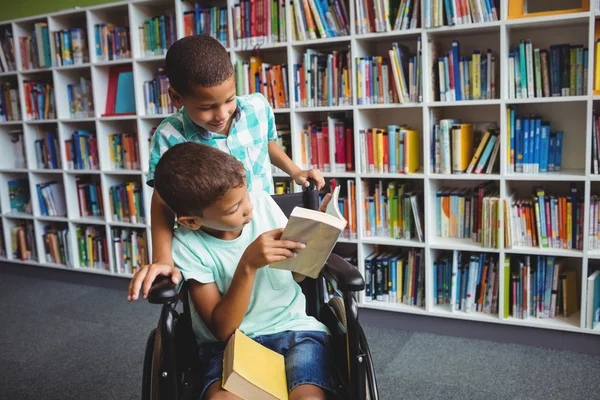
(112, 42)
(81, 151)
(269, 79)
(56, 246)
(124, 151)
(593, 300)
(533, 147)
(206, 21)
(46, 152)
(89, 195)
(157, 34)
(328, 145)
(81, 101)
(7, 51)
(259, 22)
(19, 196)
(127, 203)
(35, 49)
(466, 78)
(393, 150)
(386, 16)
(323, 79)
(40, 103)
(392, 277)
(130, 250)
(70, 47)
(453, 147)
(394, 210)
(10, 109)
(319, 19)
(465, 213)
(51, 196)
(560, 71)
(392, 79)
(459, 12)
(93, 251)
(546, 221)
(467, 282)
(156, 95)
(18, 148)
(540, 287)
(23, 241)
(346, 205)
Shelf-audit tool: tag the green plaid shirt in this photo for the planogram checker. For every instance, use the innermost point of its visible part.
(252, 129)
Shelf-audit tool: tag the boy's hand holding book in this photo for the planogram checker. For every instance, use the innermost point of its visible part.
(268, 248)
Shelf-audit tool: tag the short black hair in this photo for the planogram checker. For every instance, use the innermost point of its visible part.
(195, 61)
(191, 176)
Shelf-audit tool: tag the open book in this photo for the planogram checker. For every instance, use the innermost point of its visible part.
(252, 371)
(319, 231)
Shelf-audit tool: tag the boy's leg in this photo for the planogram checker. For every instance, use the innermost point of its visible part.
(308, 392)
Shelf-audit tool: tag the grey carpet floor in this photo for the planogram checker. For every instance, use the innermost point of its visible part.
(64, 339)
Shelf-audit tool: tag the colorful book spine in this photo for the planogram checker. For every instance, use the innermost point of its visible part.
(114, 43)
(127, 203)
(130, 250)
(92, 247)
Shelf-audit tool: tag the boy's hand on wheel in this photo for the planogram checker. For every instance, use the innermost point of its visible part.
(145, 277)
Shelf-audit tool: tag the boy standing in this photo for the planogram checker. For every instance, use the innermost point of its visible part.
(202, 87)
(226, 239)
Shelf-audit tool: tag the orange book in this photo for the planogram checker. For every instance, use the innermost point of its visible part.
(130, 200)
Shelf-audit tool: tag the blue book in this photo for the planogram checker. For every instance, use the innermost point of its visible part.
(43, 208)
(394, 279)
(531, 145)
(125, 101)
(537, 147)
(457, 288)
(52, 149)
(526, 156)
(392, 132)
(548, 285)
(436, 285)
(544, 147)
(456, 72)
(372, 216)
(558, 144)
(518, 146)
(512, 139)
(447, 78)
(551, 152)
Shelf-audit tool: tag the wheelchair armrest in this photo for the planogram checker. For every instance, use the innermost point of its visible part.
(164, 291)
(344, 274)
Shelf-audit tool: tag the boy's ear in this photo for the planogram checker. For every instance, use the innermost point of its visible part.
(175, 98)
(192, 223)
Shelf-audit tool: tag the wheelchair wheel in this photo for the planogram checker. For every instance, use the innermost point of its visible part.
(152, 360)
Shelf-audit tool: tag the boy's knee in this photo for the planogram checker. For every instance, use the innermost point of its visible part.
(308, 392)
(215, 392)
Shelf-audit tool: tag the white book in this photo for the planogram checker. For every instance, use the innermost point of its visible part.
(530, 74)
(319, 231)
(453, 288)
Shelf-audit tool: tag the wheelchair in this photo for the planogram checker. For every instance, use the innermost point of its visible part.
(172, 369)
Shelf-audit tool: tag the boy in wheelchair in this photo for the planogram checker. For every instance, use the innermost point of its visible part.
(225, 241)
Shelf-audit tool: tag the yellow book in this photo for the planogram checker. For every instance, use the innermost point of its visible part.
(462, 147)
(478, 152)
(358, 80)
(379, 153)
(252, 371)
(399, 272)
(597, 67)
(476, 79)
(396, 72)
(411, 151)
(508, 149)
(570, 293)
(569, 224)
(255, 63)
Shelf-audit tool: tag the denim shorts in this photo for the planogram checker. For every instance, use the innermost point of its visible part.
(308, 359)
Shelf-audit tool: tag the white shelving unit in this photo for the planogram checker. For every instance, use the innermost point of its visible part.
(572, 114)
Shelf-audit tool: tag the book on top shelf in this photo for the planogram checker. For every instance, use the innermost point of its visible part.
(69, 47)
(112, 42)
(396, 277)
(467, 282)
(560, 71)
(7, 51)
(319, 231)
(211, 21)
(438, 13)
(314, 19)
(35, 49)
(386, 15)
(156, 35)
(259, 23)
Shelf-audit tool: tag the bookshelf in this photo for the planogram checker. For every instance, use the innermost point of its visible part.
(570, 113)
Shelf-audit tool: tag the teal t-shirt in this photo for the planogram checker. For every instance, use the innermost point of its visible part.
(277, 303)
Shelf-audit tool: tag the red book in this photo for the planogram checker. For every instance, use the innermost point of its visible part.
(370, 160)
(324, 144)
(349, 150)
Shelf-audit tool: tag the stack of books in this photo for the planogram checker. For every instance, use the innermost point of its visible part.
(269, 79)
(70, 47)
(319, 20)
(112, 42)
(211, 21)
(93, 251)
(323, 79)
(157, 34)
(256, 24)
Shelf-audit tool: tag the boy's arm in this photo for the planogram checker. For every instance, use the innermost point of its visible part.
(223, 315)
(162, 230)
(283, 162)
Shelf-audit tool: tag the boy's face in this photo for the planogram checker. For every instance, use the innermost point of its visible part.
(210, 108)
(229, 214)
